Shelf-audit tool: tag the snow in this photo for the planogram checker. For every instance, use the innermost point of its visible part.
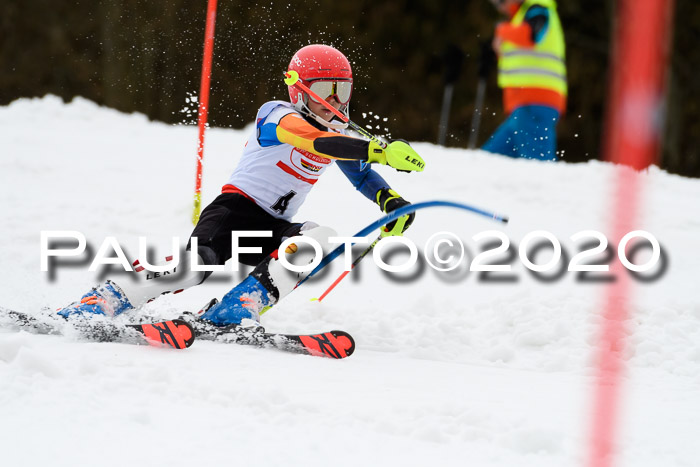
(450, 368)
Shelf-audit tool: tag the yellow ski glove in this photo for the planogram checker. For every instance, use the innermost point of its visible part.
(398, 154)
(389, 200)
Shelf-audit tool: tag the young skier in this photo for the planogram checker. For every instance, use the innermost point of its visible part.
(292, 145)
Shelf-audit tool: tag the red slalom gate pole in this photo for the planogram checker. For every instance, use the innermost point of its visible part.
(633, 133)
(352, 266)
(204, 103)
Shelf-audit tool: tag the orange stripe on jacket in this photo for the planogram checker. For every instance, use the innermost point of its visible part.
(235, 189)
(294, 130)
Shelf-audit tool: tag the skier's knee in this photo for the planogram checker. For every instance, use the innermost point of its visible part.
(277, 278)
(320, 233)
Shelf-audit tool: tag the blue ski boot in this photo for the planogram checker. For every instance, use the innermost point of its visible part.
(241, 305)
(107, 299)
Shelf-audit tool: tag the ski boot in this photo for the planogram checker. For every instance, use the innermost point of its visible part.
(242, 306)
(107, 299)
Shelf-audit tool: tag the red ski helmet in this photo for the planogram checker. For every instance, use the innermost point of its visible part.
(320, 63)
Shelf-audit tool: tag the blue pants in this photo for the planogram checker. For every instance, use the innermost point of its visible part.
(529, 132)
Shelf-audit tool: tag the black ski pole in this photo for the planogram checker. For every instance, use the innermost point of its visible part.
(487, 59)
(453, 58)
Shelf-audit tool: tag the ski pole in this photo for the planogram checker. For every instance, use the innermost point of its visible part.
(476, 116)
(292, 79)
(345, 273)
(453, 59)
(486, 61)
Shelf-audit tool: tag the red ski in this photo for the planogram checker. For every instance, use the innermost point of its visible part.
(175, 333)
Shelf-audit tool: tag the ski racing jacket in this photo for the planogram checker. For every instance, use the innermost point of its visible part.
(286, 155)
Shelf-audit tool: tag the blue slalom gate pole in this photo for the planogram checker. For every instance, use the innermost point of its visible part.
(395, 215)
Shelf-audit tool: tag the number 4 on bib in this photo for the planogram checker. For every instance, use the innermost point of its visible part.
(282, 202)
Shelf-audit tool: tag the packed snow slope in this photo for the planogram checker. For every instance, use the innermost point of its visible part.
(451, 369)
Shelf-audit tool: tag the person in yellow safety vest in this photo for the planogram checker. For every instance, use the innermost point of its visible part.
(532, 73)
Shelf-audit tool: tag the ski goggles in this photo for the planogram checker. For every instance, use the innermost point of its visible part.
(341, 90)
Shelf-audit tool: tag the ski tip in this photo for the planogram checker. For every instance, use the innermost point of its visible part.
(175, 333)
(346, 342)
(333, 344)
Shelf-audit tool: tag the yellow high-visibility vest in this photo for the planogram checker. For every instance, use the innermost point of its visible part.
(542, 66)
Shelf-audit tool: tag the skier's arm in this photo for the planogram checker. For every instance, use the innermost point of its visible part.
(375, 188)
(363, 178)
(294, 130)
(529, 32)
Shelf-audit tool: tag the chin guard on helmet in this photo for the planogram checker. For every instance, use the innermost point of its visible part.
(334, 124)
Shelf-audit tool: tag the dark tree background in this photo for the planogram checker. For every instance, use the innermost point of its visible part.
(145, 56)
